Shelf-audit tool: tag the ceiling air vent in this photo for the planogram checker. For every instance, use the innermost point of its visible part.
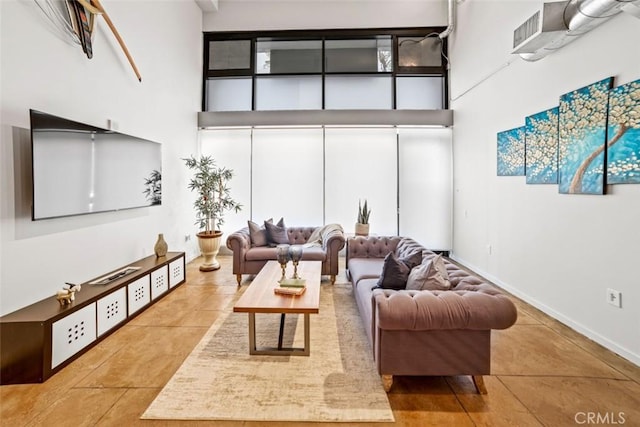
(542, 28)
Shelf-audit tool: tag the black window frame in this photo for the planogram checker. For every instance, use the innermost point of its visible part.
(323, 35)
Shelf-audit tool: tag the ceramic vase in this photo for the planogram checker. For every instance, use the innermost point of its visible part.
(160, 248)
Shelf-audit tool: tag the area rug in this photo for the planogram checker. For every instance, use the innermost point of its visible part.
(338, 382)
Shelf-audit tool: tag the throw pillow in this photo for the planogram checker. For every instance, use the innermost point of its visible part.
(257, 234)
(430, 275)
(412, 260)
(394, 273)
(276, 233)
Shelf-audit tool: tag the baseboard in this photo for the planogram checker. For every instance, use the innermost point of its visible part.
(578, 327)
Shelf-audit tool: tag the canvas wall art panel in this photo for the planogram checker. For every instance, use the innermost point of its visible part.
(623, 135)
(511, 152)
(541, 147)
(582, 139)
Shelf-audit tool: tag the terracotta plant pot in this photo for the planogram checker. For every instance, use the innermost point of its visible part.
(362, 229)
(209, 246)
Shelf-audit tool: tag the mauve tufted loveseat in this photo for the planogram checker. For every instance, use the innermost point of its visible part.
(425, 332)
(250, 260)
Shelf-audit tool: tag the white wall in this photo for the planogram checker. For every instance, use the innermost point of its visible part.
(559, 252)
(41, 71)
(326, 14)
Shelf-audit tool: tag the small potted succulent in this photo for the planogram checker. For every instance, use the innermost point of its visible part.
(214, 199)
(362, 225)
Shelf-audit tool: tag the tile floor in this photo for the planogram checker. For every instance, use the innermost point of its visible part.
(543, 374)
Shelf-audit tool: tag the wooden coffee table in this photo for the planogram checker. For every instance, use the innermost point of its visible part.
(260, 298)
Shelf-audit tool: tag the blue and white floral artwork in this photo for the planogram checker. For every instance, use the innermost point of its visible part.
(541, 141)
(582, 138)
(623, 135)
(511, 152)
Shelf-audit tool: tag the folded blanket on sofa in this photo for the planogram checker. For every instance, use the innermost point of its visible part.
(318, 234)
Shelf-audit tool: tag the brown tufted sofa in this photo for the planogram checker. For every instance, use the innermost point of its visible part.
(250, 260)
(425, 332)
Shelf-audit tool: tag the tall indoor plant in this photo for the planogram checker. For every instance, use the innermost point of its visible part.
(210, 182)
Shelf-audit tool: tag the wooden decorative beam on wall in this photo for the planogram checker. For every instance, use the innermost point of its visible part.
(98, 6)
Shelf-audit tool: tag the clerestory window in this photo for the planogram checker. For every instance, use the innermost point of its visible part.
(333, 69)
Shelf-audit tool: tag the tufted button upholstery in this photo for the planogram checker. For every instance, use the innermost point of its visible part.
(476, 307)
(425, 332)
(371, 246)
(299, 235)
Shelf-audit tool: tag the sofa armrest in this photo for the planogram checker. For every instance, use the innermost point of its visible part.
(239, 243)
(333, 241)
(479, 309)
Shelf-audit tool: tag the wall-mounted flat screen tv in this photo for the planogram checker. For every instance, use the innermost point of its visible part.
(81, 169)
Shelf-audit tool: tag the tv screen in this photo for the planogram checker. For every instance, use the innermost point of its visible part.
(81, 169)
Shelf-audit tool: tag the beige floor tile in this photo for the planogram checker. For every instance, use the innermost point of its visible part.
(525, 318)
(499, 407)
(126, 412)
(537, 350)
(561, 401)
(78, 407)
(426, 401)
(136, 365)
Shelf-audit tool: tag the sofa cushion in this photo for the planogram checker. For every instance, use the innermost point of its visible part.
(257, 234)
(431, 275)
(260, 253)
(364, 268)
(395, 271)
(313, 253)
(276, 233)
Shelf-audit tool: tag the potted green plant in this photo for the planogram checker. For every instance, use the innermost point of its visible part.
(211, 183)
(362, 225)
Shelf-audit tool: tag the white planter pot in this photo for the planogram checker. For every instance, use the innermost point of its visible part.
(209, 247)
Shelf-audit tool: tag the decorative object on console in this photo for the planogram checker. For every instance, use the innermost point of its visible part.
(68, 293)
(295, 253)
(623, 134)
(214, 199)
(283, 258)
(511, 152)
(362, 226)
(582, 124)
(161, 246)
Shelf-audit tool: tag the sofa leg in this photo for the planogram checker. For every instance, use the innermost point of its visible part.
(239, 278)
(478, 381)
(333, 279)
(387, 382)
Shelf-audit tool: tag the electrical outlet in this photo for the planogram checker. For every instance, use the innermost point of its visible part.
(614, 297)
(489, 249)
(187, 237)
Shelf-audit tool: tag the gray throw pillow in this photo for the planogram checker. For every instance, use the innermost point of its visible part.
(394, 273)
(430, 275)
(257, 234)
(276, 233)
(412, 260)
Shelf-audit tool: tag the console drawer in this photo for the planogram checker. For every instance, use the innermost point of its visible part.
(72, 333)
